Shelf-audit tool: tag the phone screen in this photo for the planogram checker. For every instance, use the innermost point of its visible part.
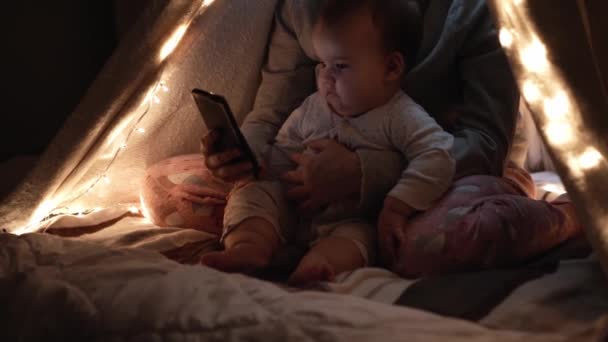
(217, 116)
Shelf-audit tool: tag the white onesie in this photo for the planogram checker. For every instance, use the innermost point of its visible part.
(400, 125)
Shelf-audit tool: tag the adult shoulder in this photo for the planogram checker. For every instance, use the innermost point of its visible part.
(298, 17)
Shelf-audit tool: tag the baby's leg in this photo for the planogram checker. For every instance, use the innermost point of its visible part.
(327, 258)
(253, 215)
(343, 246)
(248, 247)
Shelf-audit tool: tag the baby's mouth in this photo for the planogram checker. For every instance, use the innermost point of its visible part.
(333, 101)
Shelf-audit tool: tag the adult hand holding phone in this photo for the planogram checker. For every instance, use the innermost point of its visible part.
(227, 155)
(224, 164)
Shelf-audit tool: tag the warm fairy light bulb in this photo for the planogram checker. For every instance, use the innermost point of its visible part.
(156, 99)
(207, 2)
(164, 87)
(134, 210)
(559, 132)
(141, 130)
(25, 230)
(554, 188)
(590, 158)
(107, 179)
(557, 107)
(123, 146)
(118, 131)
(506, 37)
(40, 213)
(149, 96)
(531, 91)
(172, 42)
(534, 56)
(144, 209)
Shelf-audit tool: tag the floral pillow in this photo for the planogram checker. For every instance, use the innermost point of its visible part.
(181, 192)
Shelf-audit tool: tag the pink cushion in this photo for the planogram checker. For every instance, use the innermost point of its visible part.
(484, 222)
(181, 192)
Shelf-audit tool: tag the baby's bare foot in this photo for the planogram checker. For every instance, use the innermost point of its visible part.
(241, 258)
(312, 270)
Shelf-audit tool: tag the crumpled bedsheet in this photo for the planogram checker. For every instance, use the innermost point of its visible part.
(55, 288)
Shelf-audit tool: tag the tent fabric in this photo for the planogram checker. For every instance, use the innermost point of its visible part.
(558, 69)
(128, 121)
(140, 111)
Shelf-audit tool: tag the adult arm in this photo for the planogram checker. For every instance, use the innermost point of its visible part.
(485, 123)
(287, 78)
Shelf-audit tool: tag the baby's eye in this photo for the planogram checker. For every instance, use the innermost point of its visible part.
(341, 66)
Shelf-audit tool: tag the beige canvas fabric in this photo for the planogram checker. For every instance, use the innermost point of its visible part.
(114, 134)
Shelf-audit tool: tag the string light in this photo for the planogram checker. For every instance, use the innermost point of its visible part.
(42, 211)
(555, 188)
(531, 91)
(506, 38)
(590, 159)
(557, 111)
(534, 56)
(144, 208)
(557, 108)
(77, 211)
(46, 212)
(559, 133)
(49, 208)
(134, 210)
(118, 131)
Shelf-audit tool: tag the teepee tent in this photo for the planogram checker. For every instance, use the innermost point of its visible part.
(139, 112)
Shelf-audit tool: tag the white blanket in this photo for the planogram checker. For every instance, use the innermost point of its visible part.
(60, 289)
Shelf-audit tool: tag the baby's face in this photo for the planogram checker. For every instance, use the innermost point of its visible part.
(352, 72)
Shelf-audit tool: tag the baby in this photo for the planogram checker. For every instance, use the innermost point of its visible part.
(360, 104)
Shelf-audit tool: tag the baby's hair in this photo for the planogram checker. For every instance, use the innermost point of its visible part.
(399, 21)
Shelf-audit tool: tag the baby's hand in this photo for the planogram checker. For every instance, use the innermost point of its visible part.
(391, 228)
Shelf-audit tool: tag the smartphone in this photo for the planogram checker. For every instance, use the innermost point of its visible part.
(216, 114)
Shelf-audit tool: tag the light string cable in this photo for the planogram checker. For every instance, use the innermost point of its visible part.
(167, 49)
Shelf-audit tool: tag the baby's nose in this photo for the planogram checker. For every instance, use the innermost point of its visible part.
(326, 75)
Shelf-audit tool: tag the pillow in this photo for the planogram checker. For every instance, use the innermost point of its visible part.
(181, 192)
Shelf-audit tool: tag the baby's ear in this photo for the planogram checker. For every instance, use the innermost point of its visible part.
(395, 63)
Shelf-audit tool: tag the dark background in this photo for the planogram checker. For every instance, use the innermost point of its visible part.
(51, 53)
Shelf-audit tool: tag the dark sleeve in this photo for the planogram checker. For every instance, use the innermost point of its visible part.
(485, 124)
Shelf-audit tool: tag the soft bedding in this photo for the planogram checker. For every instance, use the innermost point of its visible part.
(115, 253)
(61, 289)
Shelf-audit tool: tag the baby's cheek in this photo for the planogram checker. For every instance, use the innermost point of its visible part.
(320, 86)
